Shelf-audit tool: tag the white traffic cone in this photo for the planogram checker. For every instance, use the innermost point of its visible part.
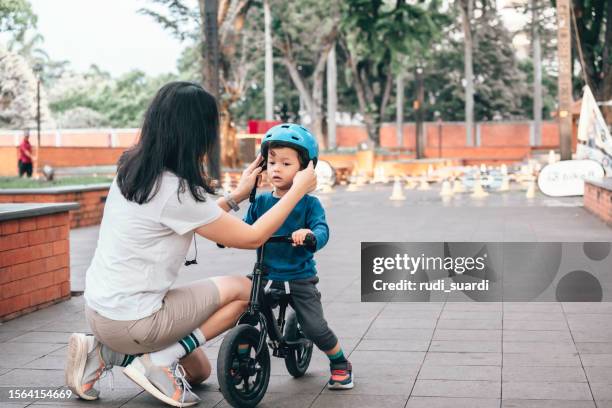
(352, 186)
(397, 194)
(458, 186)
(423, 185)
(478, 191)
(504, 169)
(410, 184)
(483, 168)
(446, 191)
(552, 157)
(505, 184)
(530, 189)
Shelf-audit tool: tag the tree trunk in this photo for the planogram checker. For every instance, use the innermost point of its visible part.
(269, 66)
(210, 56)
(466, 15)
(537, 74)
(399, 111)
(229, 153)
(332, 97)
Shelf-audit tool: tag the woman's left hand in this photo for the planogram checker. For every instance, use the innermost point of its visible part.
(247, 180)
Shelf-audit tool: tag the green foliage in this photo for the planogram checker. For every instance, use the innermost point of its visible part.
(16, 17)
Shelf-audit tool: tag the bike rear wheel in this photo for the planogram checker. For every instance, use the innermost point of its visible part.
(298, 358)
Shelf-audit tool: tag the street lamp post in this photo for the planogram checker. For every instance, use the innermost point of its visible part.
(439, 122)
(37, 70)
(418, 112)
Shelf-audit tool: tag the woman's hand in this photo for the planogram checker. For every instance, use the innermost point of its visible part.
(247, 180)
(305, 180)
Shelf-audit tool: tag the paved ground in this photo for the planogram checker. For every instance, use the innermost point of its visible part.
(432, 355)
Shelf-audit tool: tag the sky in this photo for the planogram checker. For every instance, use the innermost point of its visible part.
(108, 33)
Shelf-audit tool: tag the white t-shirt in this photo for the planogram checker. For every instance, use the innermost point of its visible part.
(141, 249)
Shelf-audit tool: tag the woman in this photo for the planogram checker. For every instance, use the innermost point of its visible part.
(157, 202)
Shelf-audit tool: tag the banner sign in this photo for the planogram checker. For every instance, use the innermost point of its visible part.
(566, 178)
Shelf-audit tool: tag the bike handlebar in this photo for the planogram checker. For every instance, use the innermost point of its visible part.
(310, 242)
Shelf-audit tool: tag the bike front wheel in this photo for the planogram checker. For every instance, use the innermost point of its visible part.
(243, 375)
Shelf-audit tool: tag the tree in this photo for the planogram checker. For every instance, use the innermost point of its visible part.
(304, 33)
(18, 107)
(593, 19)
(16, 17)
(373, 35)
(238, 43)
(466, 7)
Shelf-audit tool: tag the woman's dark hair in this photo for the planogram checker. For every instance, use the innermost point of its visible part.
(180, 126)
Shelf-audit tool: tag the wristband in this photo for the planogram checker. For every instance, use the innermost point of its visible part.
(233, 205)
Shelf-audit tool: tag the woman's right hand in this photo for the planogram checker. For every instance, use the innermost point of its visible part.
(305, 180)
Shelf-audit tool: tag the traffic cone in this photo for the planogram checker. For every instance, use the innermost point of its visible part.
(483, 168)
(458, 186)
(397, 194)
(446, 191)
(410, 184)
(530, 189)
(353, 182)
(478, 191)
(424, 185)
(552, 157)
(505, 184)
(504, 169)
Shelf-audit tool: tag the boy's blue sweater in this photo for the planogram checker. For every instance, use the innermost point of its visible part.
(283, 261)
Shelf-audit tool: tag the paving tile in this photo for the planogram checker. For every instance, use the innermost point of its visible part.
(32, 378)
(543, 374)
(339, 400)
(468, 359)
(394, 345)
(461, 389)
(15, 360)
(146, 400)
(547, 404)
(42, 337)
(535, 325)
(600, 374)
(470, 315)
(473, 306)
(533, 347)
(601, 391)
(587, 307)
(404, 324)
(440, 402)
(474, 373)
(380, 333)
(546, 336)
(546, 391)
(467, 335)
(596, 360)
(542, 359)
(594, 348)
(466, 346)
(36, 349)
(469, 324)
(538, 307)
(386, 357)
(528, 316)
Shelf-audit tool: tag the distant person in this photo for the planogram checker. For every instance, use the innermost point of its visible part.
(24, 163)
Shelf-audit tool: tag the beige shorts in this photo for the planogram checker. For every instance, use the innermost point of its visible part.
(183, 310)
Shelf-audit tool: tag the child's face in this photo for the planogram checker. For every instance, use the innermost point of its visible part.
(283, 164)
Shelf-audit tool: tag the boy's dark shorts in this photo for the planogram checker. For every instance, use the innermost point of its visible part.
(306, 301)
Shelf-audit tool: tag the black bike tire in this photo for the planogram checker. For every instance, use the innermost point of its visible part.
(296, 368)
(226, 357)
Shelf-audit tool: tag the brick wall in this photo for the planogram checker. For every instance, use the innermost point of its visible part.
(89, 212)
(598, 200)
(34, 263)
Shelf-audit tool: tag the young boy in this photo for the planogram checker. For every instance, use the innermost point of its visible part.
(288, 148)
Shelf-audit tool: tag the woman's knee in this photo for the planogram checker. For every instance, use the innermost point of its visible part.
(232, 288)
(197, 367)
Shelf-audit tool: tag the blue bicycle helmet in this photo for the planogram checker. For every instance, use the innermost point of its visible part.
(295, 136)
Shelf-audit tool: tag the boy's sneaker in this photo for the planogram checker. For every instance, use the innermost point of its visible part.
(167, 384)
(341, 377)
(87, 360)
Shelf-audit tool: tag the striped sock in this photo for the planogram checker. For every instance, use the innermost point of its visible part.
(127, 360)
(337, 358)
(186, 345)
